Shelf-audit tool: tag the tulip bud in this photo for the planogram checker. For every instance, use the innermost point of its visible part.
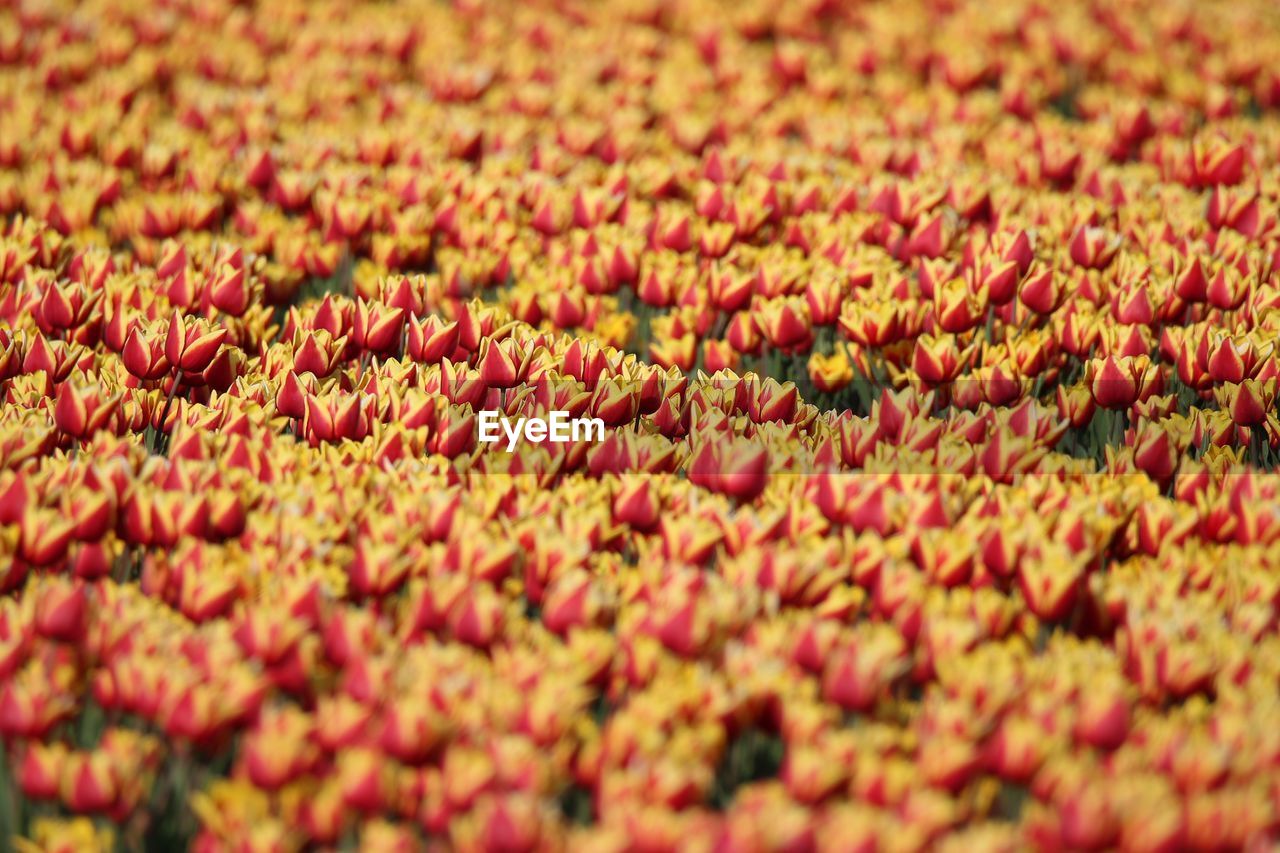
(938, 360)
(279, 748)
(830, 373)
(499, 366)
(1227, 290)
(230, 292)
(365, 780)
(785, 323)
(1050, 583)
(377, 569)
(81, 413)
(41, 771)
(144, 354)
(44, 537)
(957, 307)
(1117, 382)
(430, 340)
(743, 334)
(318, 353)
(635, 503)
(477, 618)
(90, 782)
(1075, 405)
(1154, 452)
(335, 417)
(858, 674)
(735, 468)
(1192, 285)
(227, 366)
(1249, 402)
(191, 346)
(824, 296)
(1042, 292)
(60, 611)
(377, 328)
(1017, 749)
(1094, 248)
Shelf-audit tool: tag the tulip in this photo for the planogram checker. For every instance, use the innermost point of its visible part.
(999, 386)
(66, 835)
(335, 417)
(366, 782)
(324, 814)
(477, 619)
(1017, 749)
(830, 373)
(785, 324)
(65, 307)
(1050, 583)
(573, 601)
(858, 674)
(230, 291)
(377, 569)
(1042, 292)
(872, 325)
(455, 433)
(430, 341)
(958, 308)
(1093, 248)
(144, 354)
(60, 611)
(1218, 163)
(1226, 290)
(56, 359)
(1250, 402)
(513, 821)
(499, 366)
(94, 560)
(938, 360)
(824, 297)
(412, 734)
(189, 346)
(377, 329)
(679, 352)
(1104, 719)
(1118, 382)
(614, 403)
(1087, 818)
(318, 353)
(771, 401)
(89, 782)
(737, 469)
(1191, 283)
(80, 414)
(948, 762)
(743, 334)
(1076, 405)
(635, 503)
(44, 537)
(221, 374)
(1000, 281)
(1152, 819)
(1080, 333)
(41, 770)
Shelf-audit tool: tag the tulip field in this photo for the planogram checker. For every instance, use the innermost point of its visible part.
(933, 349)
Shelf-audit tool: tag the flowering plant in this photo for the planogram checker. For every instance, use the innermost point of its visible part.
(929, 354)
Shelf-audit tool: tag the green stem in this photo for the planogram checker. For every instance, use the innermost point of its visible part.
(159, 436)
